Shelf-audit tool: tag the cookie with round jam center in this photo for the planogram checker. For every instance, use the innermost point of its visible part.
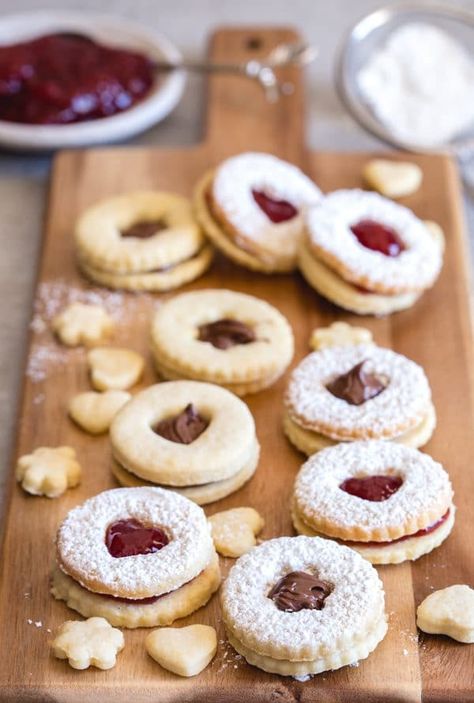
(378, 237)
(373, 488)
(127, 538)
(276, 210)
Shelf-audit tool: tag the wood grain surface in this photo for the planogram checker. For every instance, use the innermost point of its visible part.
(436, 333)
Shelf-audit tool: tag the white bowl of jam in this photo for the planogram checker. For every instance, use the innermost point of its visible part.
(70, 79)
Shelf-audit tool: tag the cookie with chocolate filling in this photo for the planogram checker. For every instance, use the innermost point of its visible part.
(143, 240)
(299, 605)
(195, 438)
(228, 338)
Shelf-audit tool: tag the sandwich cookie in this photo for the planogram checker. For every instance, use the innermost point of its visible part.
(195, 438)
(143, 240)
(139, 557)
(368, 254)
(300, 605)
(389, 502)
(223, 337)
(347, 393)
(251, 208)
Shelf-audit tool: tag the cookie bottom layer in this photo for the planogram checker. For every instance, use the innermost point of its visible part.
(334, 660)
(331, 286)
(240, 389)
(174, 277)
(223, 241)
(310, 442)
(202, 495)
(168, 608)
(405, 550)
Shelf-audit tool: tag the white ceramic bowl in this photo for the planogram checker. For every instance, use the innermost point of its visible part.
(111, 30)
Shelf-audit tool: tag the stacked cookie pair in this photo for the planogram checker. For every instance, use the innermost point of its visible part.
(223, 337)
(196, 439)
(141, 241)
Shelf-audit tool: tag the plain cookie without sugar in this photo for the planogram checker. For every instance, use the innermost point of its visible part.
(49, 471)
(185, 651)
(234, 531)
(83, 324)
(94, 412)
(114, 369)
(90, 643)
(450, 612)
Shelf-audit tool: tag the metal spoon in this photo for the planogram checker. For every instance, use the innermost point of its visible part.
(261, 70)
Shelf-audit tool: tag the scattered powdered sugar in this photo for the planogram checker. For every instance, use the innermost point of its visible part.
(232, 188)
(227, 657)
(83, 551)
(304, 677)
(329, 223)
(420, 85)
(318, 496)
(49, 356)
(401, 406)
(354, 607)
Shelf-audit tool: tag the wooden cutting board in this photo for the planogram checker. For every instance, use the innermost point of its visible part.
(436, 333)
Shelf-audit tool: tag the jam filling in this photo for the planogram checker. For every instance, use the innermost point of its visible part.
(128, 538)
(144, 229)
(183, 428)
(373, 235)
(424, 531)
(357, 386)
(65, 78)
(276, 210)
(373, 488)
(299, 591)
(226, 333)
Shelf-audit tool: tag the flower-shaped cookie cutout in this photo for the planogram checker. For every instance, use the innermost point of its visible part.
(83, 324)
(339, 334)
(94, 412)
(234, 531)
(449, 611)
(185, 651)
(114, 369)
(48, 471)
(92, 642)
(394, 179)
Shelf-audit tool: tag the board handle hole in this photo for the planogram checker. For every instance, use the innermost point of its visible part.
(253, 43)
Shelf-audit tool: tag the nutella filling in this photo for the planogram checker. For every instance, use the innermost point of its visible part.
(357, 386)
(144, 229)
(183, 428)
(226, 333)
(300, 591)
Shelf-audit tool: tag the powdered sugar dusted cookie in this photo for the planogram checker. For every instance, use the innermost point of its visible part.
(449, 611)
(300, 605)
(387, 501)
(224, 337)
(83, 324)
(114, 369)
(357, 392)
(148, 546)
(185, 651)
(252, 208)
(234, 531)
(49, 471)
(94, 412)
(91, 643)
(367, 253)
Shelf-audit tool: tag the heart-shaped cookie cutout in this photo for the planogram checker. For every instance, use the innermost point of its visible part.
(185, 651)
(449, 611)
(94, 412)
(394, 179)
(234, 531)
(114, 369)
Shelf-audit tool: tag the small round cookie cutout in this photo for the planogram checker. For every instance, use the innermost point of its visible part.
(450, 612)
(368, 254)
(252, 209)
(389, 502)
(300, 605)
(140, 557)
(220, 336)
(347, 393)
(186, 435)
(143, 240)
